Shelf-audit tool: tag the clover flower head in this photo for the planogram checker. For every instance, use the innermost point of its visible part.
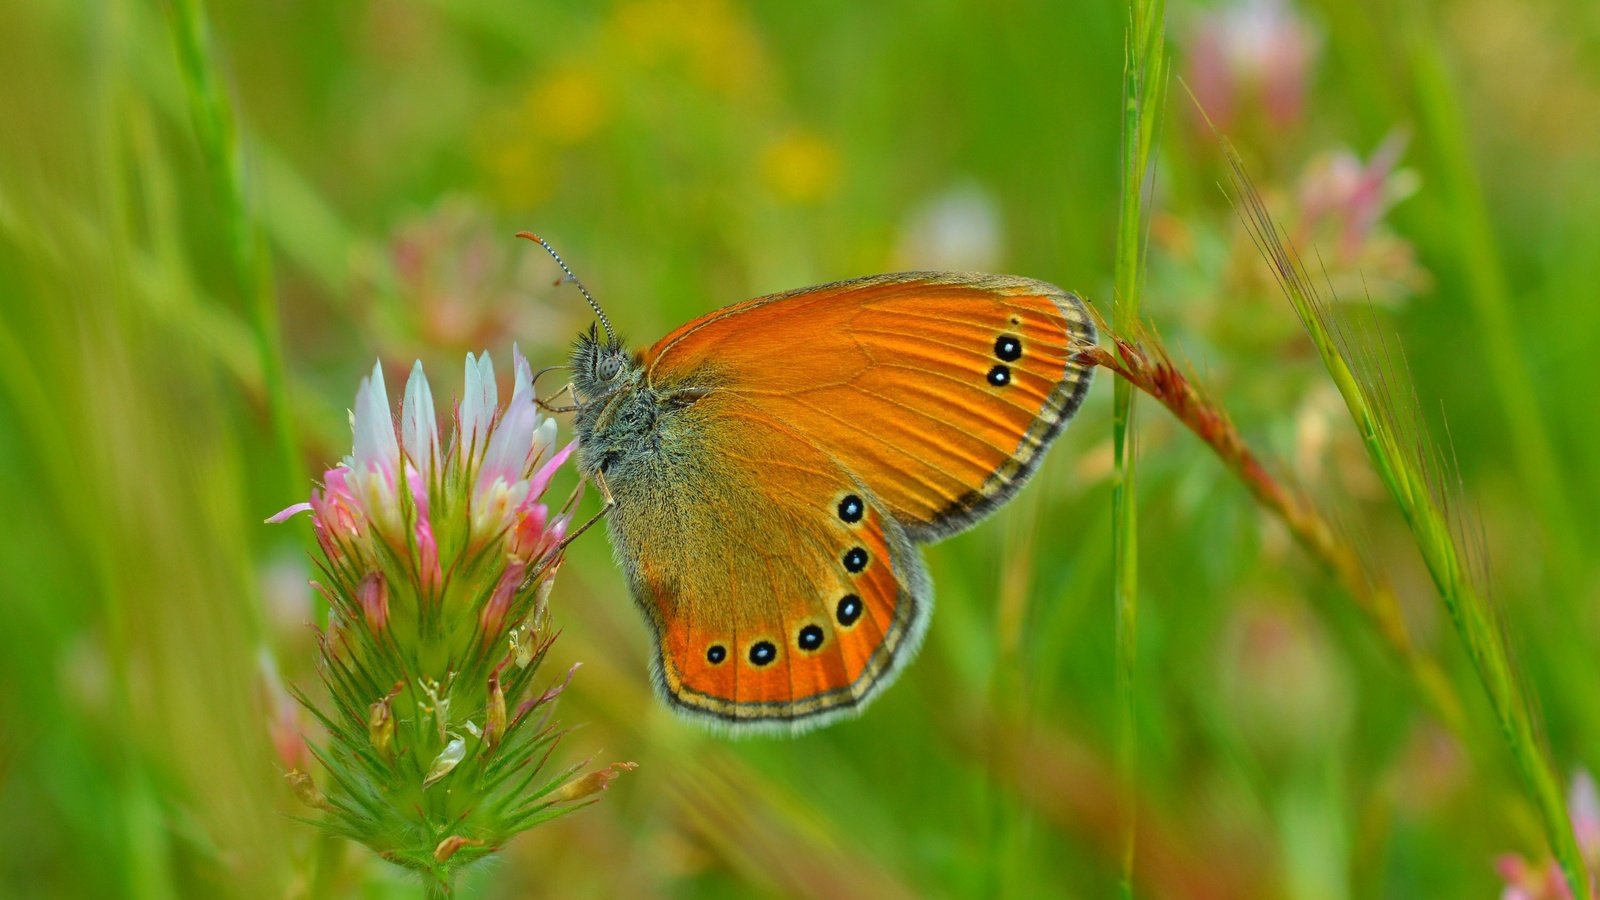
(437, 560)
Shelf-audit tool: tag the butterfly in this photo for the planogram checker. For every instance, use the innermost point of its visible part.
(771, 467)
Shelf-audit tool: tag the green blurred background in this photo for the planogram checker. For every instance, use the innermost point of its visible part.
(163, 304)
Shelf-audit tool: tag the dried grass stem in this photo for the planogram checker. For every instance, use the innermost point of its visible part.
(1144, 363)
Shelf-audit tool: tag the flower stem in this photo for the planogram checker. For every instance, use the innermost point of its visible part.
(439, 887)
(327, 858)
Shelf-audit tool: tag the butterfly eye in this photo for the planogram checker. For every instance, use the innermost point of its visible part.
(608, 367)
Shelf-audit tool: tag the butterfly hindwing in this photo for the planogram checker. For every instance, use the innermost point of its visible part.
(779, 588)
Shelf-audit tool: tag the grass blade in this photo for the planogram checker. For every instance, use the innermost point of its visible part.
(1423, 482)
(217, 135)
(1144, 93)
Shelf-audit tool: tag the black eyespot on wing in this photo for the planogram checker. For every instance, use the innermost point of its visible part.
(851, 508)
(716, 653)
(1008, 347)
(762, 653)
(810, 637)
(855, 559)
(849, 610)
(1000, 376)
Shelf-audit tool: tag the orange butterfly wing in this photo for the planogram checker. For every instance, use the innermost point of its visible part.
(807, 441)
(940, 391)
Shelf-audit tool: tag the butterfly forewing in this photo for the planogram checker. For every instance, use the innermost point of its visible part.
(939, 391)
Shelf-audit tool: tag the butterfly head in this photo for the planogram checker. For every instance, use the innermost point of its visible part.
(601, 366)
(614, 415)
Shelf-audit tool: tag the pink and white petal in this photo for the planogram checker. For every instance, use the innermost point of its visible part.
(289, 512)
(419, 428)
(541, 478)
(521, 375)
(544, 439)
(419, 490)
(510, 444)
(427, 555)
(1583, 805)
(478, 402)
(528, 533)
(492, 618)
(373, 424)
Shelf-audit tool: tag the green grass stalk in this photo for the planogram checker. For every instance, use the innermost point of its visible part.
(216, 133)
(1425, 486)
(1143, 97)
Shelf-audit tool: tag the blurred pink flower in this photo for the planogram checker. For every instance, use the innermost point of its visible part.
(1339, 189)
(1583, 805)
(1339, 208)
(1526, 881)
(1247, 52)
(462, 283)
(1282, 684)
(285, 722)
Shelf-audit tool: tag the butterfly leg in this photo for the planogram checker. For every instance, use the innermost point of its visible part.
(555, 557)
(605, 507)
(545, 404)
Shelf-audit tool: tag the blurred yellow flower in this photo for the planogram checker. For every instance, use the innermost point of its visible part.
(568, 106)
(719, 47)
(519, 143)
(800, 168)
(646, 28)
(517, 171)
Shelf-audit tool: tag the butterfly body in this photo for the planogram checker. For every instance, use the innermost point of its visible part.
(773, 465)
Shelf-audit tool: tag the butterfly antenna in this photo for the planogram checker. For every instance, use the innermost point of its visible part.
(604, 322)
